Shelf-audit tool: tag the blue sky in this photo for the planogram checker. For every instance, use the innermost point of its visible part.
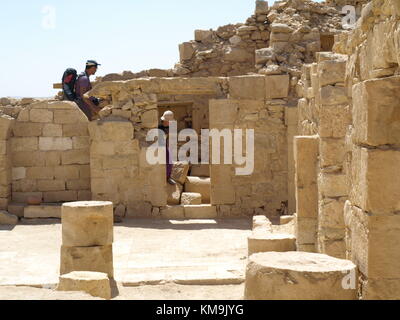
(121, 34)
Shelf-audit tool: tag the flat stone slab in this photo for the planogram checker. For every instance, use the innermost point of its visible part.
(299, 276)
(43, 211)
(200, 212)
(278, 242)
(286, 219)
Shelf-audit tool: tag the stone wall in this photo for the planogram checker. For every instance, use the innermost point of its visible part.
(371, 214)
(246, 102)
(350, 101)
(49, 151)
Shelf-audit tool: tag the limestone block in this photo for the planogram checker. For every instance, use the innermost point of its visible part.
(52, 130)
(60, 196)
(334, 121)
(186, 51)
(71, 157)
(18, 173)
(81, 142)
(87, 223)
(41, 115)
(247, 87)
(69, 116)
(331, 214)
(188, 198)
(332, 152)
(376, 111)
(223, 112)
(375, 186)
(75, 130)
(234, 54)
(286, 219)
(277, 242)
(333, 248)
(22, 197)
(332, 95)
(306, 230)
(277, 86)
(199, 85)
(174, 193)
(51, 185)
(331, 72)
(201, 35)
(149, 119)
(332, 185)
(306, 157)
(111, 130)
(94, 283)
(40, 173)
(7, 218)
(199, 185)
(43, 211)
(66, 172)
(180, 171)
(200, 212)
(26, 129)
(172, 212)
(96, 259)
(200, 170)
(55, 143)
(298, 276)
(24, 144)
(261, 7)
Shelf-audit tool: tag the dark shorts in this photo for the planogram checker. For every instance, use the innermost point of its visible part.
(85, 108)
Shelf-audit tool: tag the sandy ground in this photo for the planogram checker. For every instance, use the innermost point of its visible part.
(153, 259)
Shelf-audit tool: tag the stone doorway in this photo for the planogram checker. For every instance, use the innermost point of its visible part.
(194, 185)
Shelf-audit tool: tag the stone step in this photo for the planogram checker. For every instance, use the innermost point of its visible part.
(190, 198)
(277, 242)
(200, 170)
(204, 211)
(43, 211)
(200, 185)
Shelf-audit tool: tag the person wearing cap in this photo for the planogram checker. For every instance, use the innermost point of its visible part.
(165, 119)
(89, 105)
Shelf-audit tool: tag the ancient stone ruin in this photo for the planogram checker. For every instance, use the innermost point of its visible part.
(324, 103)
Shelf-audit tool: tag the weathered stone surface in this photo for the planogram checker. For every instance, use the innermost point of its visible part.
(87, 223)
(277, 86)
(247, 87)
(199, 185)
(180, 172)
(375, 187)
(200, 212)
(94, 283)
(376, 111)
(306, 157)
(7, 218)
(188, 198)
(174, 193)
(172, 212)
(268, 273)
(95, 258)
(277, 242)
(42, 211)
